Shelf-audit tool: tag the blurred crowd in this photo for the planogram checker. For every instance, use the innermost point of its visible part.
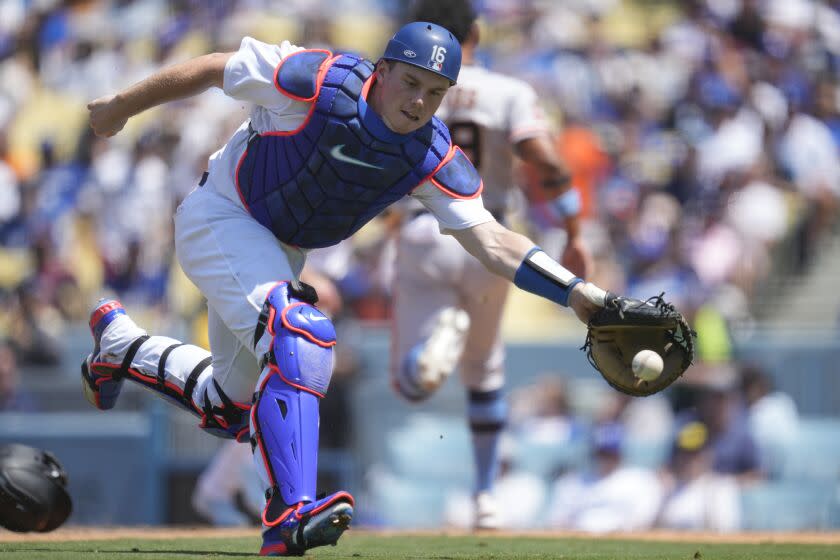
(703, 136)
(679, 461)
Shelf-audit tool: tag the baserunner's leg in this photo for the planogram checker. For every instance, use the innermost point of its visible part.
(428, 327)
(483, 376)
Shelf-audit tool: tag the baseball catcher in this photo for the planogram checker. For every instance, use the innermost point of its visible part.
(624, 328)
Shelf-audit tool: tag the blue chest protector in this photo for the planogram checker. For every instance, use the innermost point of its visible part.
(319, 184)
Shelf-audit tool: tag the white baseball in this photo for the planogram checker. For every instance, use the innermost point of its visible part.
(647, 365)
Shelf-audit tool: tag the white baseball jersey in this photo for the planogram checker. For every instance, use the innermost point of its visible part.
(488, 114)
(249, 76)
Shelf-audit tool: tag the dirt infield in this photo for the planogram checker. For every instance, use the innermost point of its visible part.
(111, 533)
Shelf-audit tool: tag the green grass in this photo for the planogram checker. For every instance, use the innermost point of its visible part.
(371, 546)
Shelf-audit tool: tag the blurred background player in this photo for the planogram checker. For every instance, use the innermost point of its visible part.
(228, 479)
(447, 306)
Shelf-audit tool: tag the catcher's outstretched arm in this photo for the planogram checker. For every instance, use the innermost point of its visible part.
(515, 257)
(109, 114)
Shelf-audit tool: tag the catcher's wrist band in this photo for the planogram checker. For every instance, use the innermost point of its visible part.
(543, 276)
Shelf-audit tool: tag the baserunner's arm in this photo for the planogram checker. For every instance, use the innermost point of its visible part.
(109, 114)
(516, 258)
(563, 199)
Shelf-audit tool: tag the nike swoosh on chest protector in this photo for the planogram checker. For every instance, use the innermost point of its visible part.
(336, 153)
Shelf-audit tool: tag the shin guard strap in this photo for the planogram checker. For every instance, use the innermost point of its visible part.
(189, 386)
(304, 292)
(129, 356)
(161, 374)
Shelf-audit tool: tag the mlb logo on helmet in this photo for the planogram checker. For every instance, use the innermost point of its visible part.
(437, 58)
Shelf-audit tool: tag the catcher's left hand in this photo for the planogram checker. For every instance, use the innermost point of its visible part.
(624, 327)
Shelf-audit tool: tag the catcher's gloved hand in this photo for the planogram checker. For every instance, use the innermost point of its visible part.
(625, 326)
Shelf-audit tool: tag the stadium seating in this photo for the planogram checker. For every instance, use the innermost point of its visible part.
(788, 505)
(816, 452)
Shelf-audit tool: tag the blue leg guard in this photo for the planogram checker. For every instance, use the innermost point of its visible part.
(284, 423)
(286, 419)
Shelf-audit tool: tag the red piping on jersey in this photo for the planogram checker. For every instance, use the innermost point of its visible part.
(284, 319)
(317, 77)
(453, 194)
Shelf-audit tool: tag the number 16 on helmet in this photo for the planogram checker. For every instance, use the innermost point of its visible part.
(428, 46)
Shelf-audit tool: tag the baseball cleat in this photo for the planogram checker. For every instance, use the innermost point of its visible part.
(99, 382)
(486, 512)
(309, 525)
(442, 350)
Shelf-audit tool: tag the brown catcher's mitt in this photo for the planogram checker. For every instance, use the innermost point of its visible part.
(624, 327)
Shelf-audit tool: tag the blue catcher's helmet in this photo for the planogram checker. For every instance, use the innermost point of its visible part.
(428, 46)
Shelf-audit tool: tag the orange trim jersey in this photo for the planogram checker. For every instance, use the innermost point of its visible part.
(323, 176)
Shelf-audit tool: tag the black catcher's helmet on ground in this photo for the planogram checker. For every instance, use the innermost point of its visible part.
(33, 495)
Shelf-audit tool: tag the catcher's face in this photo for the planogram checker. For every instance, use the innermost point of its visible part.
(406, 97)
